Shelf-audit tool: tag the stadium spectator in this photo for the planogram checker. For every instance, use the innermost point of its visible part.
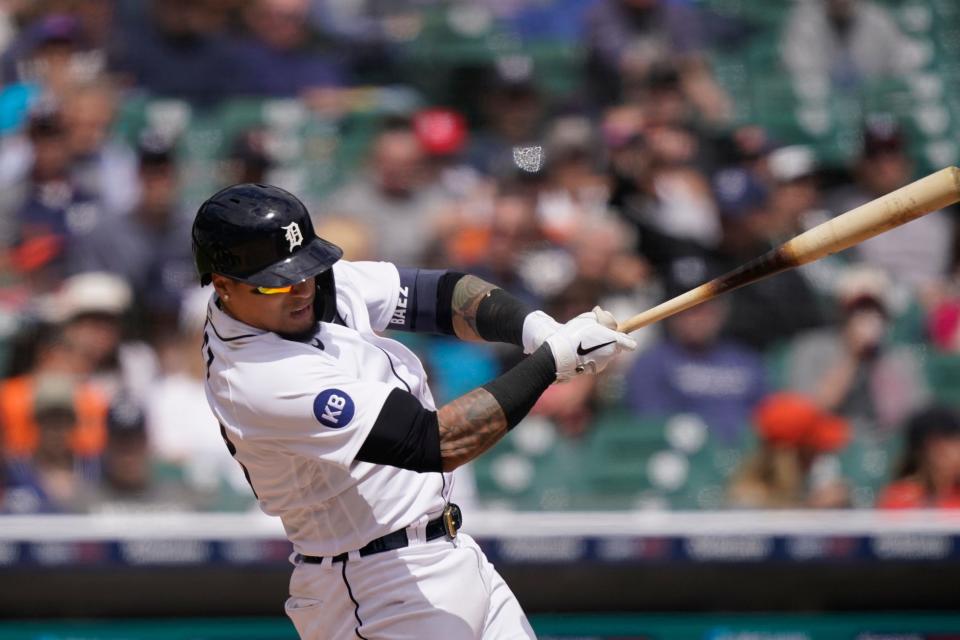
(52, 54)
(395, 198)
(444, 136)
(42, 365)
(916, 255)
(635, 196)
(55, 465)
(658, 188)
(53, 358)
(929, 473)
(661, 99)
(845, 42)
(514, 113)
(677, 135)
(628, 38)
(772, 310)
(795, 195)
(102, 166)
(129, 481)
(513, 236)
(792, 466)
(674, 198)
(852, 369)
(604, 268)
(576, 192)
(179, 49)
(150, 247)
(42, 207)
(249, 159)
(281, 57)
(693, 369)
(371, 33)
(91, 308)
(45, 191)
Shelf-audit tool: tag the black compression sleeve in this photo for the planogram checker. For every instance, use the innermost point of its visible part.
(518, 389)
(405, 435)
(500, 318)
(448, 282)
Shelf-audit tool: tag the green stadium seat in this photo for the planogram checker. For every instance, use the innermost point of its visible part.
(943, 374)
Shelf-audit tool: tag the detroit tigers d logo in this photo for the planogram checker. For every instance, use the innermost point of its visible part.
(294, 236)
(333, 408)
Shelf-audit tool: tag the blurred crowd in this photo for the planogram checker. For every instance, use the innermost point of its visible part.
(635, 184)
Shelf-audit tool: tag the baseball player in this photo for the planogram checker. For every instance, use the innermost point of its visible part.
(336, 428)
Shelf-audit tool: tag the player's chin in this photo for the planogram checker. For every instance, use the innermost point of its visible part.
(301, 318)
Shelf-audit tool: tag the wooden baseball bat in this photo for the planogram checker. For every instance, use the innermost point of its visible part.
(898, 207)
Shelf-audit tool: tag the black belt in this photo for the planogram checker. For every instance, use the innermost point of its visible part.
(446, 525)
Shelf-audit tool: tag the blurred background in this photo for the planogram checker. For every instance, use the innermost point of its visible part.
(791, 448)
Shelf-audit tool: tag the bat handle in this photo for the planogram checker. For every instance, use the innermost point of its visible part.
(666, 309)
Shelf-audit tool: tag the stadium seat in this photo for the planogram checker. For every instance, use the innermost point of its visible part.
(943, 374)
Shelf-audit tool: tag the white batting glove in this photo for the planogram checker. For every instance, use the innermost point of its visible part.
(587, 344)
(537, 327)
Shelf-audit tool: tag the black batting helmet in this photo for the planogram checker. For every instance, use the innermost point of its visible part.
(259, 234)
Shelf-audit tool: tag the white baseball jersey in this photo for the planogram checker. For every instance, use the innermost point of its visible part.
(295, 414)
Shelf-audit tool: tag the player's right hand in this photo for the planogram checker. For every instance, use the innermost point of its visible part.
(587, 343)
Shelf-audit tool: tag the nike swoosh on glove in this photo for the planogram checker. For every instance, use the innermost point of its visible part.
(587, 343)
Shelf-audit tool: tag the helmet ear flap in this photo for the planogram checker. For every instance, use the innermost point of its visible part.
(325, 302)
(203, 264)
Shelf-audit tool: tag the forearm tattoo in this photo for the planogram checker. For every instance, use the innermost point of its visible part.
(469, 425)
(467, 295)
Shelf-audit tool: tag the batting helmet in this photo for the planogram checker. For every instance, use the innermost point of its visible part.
(259, 234)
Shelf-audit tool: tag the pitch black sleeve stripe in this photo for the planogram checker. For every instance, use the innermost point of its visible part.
(405, 435)
(445, 286)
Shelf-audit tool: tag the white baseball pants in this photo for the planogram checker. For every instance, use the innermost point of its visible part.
(440, 589)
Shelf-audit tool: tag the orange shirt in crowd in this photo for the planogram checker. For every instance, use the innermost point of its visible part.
(20, 431)
(911, 494)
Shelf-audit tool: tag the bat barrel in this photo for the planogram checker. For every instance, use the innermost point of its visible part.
(898, 207)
